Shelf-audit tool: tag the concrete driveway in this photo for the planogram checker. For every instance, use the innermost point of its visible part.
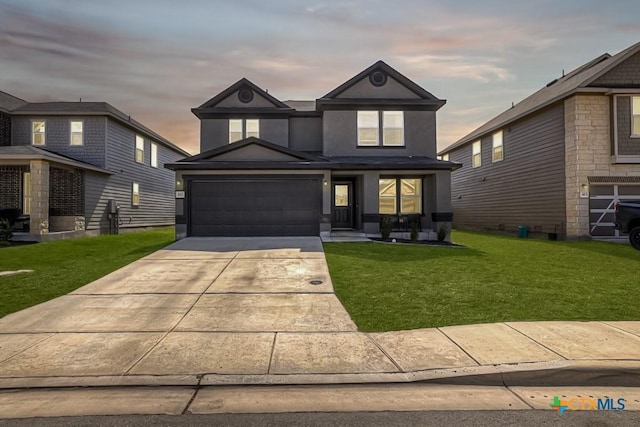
(202, 305)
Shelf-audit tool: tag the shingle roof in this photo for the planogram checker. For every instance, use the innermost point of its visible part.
(28, 152)
(9, 102)
(555, 91)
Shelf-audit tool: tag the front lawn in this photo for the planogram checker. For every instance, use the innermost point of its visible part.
(63, 266)
(495, 278)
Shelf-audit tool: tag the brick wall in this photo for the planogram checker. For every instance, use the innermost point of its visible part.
(11, 186)
(587, 154)
(5, 129)
(66, 192)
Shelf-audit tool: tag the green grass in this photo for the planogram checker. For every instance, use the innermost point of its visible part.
(493, 279)
(63, 266)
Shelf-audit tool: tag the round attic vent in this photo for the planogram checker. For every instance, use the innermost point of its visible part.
(378, 78)
(245, 95)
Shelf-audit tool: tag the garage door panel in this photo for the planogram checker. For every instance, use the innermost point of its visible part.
(602, 204)
(260, 207)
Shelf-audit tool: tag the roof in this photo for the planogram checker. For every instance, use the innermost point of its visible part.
(29, 152)
(249, 141)
(302, 105)
(91, 109)
(559, 89)
(9, 102)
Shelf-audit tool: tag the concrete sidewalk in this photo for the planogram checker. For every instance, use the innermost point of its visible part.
(208, 312)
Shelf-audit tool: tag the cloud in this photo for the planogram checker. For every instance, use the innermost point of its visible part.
(481, 70)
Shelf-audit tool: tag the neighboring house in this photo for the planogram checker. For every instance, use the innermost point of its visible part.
(268, 168)
(558, 161)
(81, 168)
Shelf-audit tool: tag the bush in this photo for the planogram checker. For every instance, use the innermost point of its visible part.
(6, 231)
(415, 230)
(386, 226)
(443, 230)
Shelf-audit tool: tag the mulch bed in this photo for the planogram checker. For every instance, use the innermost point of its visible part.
(416, 242)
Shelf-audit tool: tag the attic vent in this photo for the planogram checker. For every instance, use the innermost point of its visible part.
(245, 95)
(552, 82)
(378, 78)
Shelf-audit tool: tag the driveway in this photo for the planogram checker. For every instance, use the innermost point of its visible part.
(202, 305)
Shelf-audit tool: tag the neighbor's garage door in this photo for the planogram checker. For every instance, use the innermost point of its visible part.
(602, 200)
(255, 207)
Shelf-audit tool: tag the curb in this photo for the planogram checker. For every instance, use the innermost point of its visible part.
(540, 374)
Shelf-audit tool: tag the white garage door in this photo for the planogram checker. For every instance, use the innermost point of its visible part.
(602, 201)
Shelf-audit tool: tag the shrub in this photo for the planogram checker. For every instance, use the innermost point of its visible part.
(415, 230)
(6, 231)
(443, 230)
(386, 226)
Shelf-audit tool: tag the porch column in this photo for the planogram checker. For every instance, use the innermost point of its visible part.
(39, 217)
(443, 210)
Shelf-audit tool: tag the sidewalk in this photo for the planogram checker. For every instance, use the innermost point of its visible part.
(203, 314)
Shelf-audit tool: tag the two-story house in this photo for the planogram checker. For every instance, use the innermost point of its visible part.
(70, 169)
(558, 161)
(365, 150)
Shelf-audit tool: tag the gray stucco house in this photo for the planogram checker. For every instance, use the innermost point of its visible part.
(558, 161)
(365, 150)
(70, 169)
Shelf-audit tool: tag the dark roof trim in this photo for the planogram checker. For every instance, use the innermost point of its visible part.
(210, 104)
(376, 104)
(250, 141)
(306, 165)
(382, 66)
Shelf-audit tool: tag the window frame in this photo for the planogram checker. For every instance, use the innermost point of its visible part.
(138, 150)
(635, 133)
(34, 133)
(135, 194)
(72, 132)
(154, 155)
(399, 194)
(381, 140)
(494, 159)
(476, 155)
(244, 129)
(361, 128)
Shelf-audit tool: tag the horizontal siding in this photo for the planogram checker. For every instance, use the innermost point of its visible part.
(526, 188)
(157, 186)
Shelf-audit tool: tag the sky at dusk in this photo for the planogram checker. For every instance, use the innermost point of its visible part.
(155, 60)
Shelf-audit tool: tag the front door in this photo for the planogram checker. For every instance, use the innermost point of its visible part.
(342, 205)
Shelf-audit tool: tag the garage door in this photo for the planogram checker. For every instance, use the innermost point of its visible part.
(255, 207)
(602, 201)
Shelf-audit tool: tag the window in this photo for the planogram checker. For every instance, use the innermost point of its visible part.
(400, 195)
(498, 151)
(368, 128)
(393, 128)
(139, 149)
(135, 194)
(243, 128)
(445, 157)
(476, 158)
(26, 193)
(38, 133)
(154, 155)
(636, 116)
(76, 137)
(370, 123)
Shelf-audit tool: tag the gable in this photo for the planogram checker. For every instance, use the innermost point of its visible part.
(625, 74)
(242, 94)
(255, 153)
(237, 100)
(392, 89)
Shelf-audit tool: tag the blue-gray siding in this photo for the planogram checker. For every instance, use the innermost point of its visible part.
(58, 135)
(157, 185)
(526, 188)
(627, 146)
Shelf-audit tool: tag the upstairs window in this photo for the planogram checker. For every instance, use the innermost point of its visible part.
(635, 111)
(393, 128)
(38, 133)
(368, 128)
(400, 196)
(139, 149)
(76, 136)
(154, 155)
(498, 150)
(445, 157)
(476, 154)
(374, 127)
(243, 128)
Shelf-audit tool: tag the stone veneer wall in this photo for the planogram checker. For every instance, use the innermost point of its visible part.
(587, 153)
